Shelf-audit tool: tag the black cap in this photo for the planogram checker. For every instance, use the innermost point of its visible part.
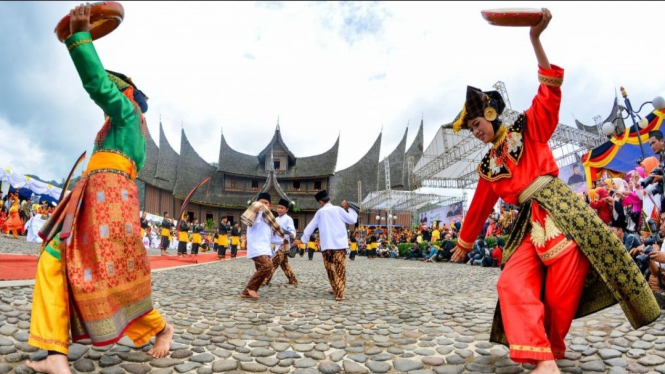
(321, 195)
(285, 203)
(264, 196)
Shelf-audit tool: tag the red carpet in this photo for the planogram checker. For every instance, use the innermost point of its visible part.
(21, 267)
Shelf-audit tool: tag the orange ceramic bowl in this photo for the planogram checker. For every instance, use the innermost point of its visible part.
(513, 16)
(104, 16)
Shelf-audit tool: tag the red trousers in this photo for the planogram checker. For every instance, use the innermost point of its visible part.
(538, 302)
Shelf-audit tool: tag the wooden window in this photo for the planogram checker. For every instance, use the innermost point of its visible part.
(296, 223)
(276, 165)
(296, 185)
(317, 185)
(255, 185)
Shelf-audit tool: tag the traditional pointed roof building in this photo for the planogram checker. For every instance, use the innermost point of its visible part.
(167, 177)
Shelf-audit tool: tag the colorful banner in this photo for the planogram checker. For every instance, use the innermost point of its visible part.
(573, 175)
(444, 215)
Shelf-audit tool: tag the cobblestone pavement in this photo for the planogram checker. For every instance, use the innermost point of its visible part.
(399, 316)
(21, 247)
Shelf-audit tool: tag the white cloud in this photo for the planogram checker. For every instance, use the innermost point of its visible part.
(349, 68)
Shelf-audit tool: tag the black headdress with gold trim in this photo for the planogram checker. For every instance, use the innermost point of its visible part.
(488, 105)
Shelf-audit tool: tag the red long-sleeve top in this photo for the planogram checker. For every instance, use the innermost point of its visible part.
(536, 159)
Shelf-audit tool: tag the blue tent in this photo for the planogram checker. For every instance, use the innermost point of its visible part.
(23, 193)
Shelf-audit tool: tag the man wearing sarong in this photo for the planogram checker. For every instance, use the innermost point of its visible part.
(166, 233)
(93, 275)
(235, 240)
(282, 250)
(196, 237)
(331, 222)
(262, 230)
(223, 239)
(183, 235)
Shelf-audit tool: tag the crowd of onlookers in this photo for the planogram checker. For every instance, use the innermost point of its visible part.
(436, 243)
(632, 206)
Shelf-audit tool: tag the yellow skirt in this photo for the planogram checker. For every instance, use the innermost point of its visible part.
(223, 240)
(196, 238)
(183, 236)
(235, 240)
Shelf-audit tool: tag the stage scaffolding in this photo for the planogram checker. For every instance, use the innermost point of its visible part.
(406, 201)
(450, 160)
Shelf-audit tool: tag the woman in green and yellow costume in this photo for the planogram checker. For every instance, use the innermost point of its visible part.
(93, 275)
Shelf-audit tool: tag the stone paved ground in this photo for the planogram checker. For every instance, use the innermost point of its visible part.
(399, 316)
(21, 247)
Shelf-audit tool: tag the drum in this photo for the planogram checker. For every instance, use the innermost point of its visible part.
(104, 16)
(513, 16)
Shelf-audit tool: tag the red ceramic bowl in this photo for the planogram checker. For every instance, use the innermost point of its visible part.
(104, 16)
(513, 16)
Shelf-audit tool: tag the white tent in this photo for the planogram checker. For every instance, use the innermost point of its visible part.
(17, 181)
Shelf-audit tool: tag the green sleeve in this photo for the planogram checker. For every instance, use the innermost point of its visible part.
(125, 134)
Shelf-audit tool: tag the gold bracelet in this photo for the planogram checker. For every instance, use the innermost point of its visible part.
(80, 42)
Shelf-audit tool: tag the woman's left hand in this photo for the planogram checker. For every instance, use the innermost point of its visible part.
(542, 25)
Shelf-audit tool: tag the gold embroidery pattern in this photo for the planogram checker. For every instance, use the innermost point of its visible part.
(464, 245)
(613, 276)
(534, 187)
(80, 42)
(546, 256)
(550, 81)
(506, 147)
(541, 235)
(528, 348)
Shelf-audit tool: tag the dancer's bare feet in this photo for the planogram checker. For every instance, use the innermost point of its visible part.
(52, 364)
(546, 367)
(162, 342)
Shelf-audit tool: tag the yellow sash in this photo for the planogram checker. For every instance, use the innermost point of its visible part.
(103, 160)
(183, 237)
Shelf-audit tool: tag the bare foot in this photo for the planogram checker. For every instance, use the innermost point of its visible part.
(162, 342)
(52, 364)
(546, 367)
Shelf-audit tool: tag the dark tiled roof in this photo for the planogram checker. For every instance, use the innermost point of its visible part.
(276, 139)
(415, 150)
(167, 164)
(234, 162)
(344, 185)
(315, 166)
(147, 174)
(192, 170)
(583, 127)
(396, 159)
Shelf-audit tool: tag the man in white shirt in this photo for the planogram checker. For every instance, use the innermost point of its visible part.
(262, 228)
(332, 223)
(281, 254)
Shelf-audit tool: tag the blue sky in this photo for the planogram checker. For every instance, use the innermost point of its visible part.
(325, 68)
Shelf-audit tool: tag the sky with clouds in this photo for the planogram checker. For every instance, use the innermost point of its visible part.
(324, 68)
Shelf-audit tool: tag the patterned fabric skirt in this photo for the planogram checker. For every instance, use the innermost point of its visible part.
(107, 266)
(613, 276)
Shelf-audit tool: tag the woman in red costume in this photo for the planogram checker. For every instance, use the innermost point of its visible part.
(13, 222)
(561, 261)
